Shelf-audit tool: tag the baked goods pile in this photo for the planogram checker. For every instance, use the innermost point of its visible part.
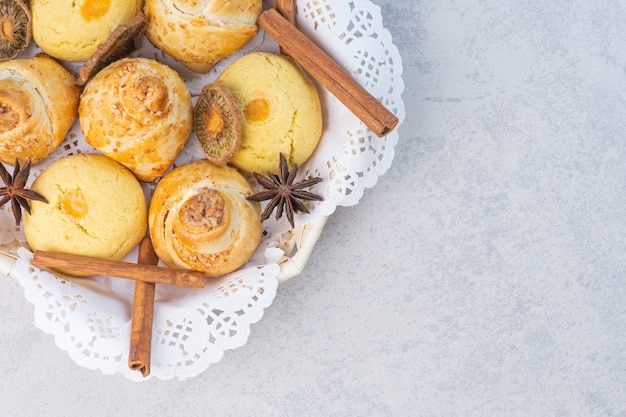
(133, 115)
(137, 114)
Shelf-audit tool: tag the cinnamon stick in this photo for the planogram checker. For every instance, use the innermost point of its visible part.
(287, 8)
(328, 73)
(143, 314)
(120, 269)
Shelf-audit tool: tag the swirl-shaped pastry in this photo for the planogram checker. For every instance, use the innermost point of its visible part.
(200, 219)
(138, 112)
(38, 105)
(201, 32)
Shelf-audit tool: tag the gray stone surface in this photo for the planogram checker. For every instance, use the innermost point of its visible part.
(484, 275)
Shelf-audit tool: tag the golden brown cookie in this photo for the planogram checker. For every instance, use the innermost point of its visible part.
(96, 207)
(39, 103)
(200, 219)
(200, 33)
(139, 112)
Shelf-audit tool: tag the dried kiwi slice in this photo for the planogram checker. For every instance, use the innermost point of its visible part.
(120, 43)
(15, 28)
(217, 123)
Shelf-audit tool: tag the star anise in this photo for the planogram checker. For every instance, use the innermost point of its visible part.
(284, 195)
(15, 190)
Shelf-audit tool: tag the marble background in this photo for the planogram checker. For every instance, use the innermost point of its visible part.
(484, 275)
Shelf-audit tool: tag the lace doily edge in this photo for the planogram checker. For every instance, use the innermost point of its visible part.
(63, 340)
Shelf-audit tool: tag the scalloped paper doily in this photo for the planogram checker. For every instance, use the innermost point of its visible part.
(90, 317)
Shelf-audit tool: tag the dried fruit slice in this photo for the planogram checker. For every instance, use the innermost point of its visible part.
(217, 123)
(15, 28)
(120, 44)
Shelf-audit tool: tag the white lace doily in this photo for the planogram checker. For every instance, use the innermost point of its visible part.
(90, 317)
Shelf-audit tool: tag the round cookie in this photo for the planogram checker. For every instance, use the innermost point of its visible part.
(200, 33)
(72, 30)
(96, 207)
(39, 104)
(139, 112)
(200, 218)
(281, 108)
